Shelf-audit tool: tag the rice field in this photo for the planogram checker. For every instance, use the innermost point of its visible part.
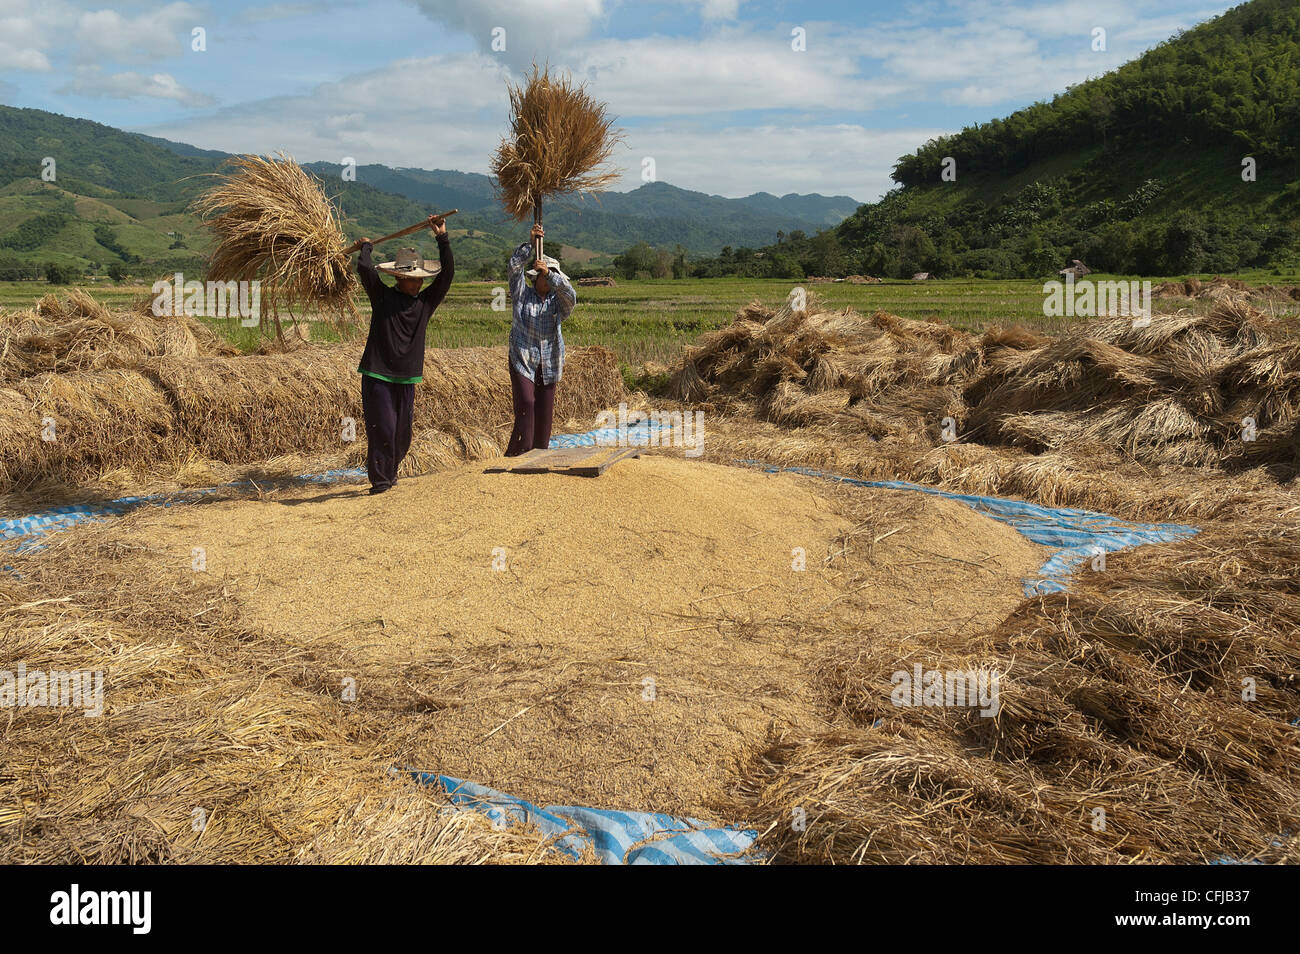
(653, 320)
(769, 690)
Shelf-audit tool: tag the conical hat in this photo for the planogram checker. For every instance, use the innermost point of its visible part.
(410, 264)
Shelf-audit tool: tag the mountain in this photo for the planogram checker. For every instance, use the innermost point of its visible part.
(823, 209)
(1185, 160)
(609, 222)
(121, 199)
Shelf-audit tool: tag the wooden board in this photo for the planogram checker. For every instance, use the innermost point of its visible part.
(580, 461)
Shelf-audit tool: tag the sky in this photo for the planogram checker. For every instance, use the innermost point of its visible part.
(727, 97)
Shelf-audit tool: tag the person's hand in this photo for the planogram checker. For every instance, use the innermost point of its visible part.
(438, 224)
(366, 241)
(541, 267)
(537, 232)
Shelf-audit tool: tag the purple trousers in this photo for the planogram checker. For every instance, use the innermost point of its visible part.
(534, 406)
(389, 409)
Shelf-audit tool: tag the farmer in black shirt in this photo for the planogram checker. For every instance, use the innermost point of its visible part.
(393, 362)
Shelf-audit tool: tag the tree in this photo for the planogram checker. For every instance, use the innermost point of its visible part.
(681, 269)
(825, 255)
(57, 274)
(639, 258)
(1102, 111)
(879, 260)
(1185, 241)
(916, 251)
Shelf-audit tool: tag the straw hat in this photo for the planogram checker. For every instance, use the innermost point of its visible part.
(551, 264)
(409, 264)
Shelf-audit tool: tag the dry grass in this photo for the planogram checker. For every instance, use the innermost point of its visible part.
(1123, 697)
(138, 402)
(1113, 416)
(74, 332)
(560, 141)
(201, 714)
(272, 222)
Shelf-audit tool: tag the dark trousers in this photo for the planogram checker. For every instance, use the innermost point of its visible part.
(389, 409)
(534, 406)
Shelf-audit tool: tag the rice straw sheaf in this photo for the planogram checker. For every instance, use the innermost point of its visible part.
(212, 746)
(560, 139)
(1122, 732)
(76, 426)
(1219, 390)
(271, 221)
(74, 332)
(254, 407)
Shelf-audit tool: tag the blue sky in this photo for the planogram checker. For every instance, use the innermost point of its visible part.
(712, 90)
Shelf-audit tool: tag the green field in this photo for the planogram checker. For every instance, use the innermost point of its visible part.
(651, 320)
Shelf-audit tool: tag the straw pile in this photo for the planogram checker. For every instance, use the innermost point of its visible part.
(210, 748)
(74, 332)
(1225, 289)
(939, 404)
(560, 138)
(271, 221)
(1122, 735)
(144, 399)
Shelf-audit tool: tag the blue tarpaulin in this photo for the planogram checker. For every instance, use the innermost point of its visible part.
(637, 434)
(616, 838)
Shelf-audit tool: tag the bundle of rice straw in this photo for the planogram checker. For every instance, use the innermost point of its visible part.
(560, 138)
(273, 222)
(73, 332)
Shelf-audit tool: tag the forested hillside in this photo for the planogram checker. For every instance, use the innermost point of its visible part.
(1182, 161)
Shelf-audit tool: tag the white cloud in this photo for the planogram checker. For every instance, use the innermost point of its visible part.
(108, 36)
(729, 71)
(386, 116)
(15, 56)
(837, 159)
(27, 31)
(91, 81)
(534, 30)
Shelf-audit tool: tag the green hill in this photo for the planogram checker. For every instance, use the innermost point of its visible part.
(119, 201)
(1136, 172)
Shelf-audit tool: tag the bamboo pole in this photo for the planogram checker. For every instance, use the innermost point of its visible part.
(356, 246)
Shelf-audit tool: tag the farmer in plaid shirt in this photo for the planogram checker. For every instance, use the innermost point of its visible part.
(543, 298)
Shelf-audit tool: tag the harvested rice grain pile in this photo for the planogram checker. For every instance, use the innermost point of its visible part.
(621, 642)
